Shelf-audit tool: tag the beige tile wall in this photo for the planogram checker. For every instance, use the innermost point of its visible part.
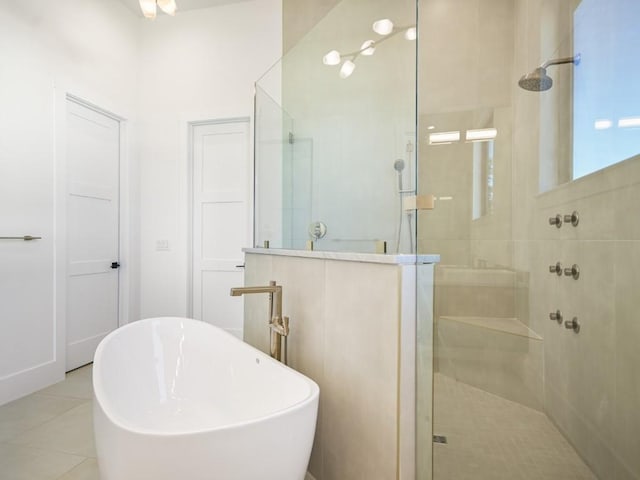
(591, 385)
(299, 16)
(589, 390)
(345, 334)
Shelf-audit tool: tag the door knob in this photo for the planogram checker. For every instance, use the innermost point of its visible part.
(115, 265)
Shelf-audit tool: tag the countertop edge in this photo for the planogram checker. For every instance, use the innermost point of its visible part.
(390, 259)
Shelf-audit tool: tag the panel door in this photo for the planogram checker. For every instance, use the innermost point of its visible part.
(220, 220)
(93, 163)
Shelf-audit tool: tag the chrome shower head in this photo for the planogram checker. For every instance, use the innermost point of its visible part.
(538, 80)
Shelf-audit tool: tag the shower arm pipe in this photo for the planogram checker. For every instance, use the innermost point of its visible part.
(355, 54)
(560, 61)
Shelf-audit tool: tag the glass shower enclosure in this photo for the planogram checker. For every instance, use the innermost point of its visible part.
(536, 221)
(336, 134)
(520, 121)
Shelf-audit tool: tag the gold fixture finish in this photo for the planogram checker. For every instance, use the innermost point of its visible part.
(278, 325)
(310, 245)
(381, 246)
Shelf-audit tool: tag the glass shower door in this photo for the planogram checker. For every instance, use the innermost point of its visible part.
(529, 137)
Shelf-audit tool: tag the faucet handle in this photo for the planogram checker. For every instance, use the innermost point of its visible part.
(285, 326)
(557, 316)
(557, 220)
(573, 325)
(557, 268)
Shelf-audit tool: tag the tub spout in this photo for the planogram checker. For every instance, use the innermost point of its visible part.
(278, 326)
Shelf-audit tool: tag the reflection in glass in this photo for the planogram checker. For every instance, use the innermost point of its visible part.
(349, 92)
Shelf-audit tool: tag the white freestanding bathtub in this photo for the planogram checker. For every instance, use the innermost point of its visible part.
(179, 399)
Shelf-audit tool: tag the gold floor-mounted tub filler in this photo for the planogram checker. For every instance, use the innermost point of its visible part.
(278, 325)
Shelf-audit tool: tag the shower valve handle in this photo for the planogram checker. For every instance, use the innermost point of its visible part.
(573, 219)
(573, 325)
(557, 221)
(557, 269)
(557, 316)
(574, 271)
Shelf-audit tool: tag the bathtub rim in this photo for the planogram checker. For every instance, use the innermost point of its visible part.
(313, 395)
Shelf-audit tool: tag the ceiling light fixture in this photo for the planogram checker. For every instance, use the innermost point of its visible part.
(382, 27)
(411, 33)
(150, 7)
(368, 48)
(332, 58)
(347, 69)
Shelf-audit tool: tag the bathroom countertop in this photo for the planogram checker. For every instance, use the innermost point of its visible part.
(393, 259)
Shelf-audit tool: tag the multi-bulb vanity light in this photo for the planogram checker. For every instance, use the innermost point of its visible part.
(149, 7)
(383, 27)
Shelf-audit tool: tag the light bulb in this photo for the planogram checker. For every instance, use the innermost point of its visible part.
(168, 6)
(148, 8)
(383, 27)
(332, 58)
(368, 47)
(411, 33)
(347, 69)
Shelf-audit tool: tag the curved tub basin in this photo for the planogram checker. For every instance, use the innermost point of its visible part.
(177, 398)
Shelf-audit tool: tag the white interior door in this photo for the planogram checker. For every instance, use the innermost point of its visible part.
(93, 177)
(220, 220)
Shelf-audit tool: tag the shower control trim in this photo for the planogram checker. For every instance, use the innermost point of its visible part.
(573, 325)
(574, 271)
(573, 219)
(317, 230)
(557, 221)
(557, 269)
(557, 316)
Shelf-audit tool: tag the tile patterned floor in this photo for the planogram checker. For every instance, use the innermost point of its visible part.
(49, 435)
(491, 438)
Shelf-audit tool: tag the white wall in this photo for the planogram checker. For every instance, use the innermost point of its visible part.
(87, 48)
(201, 64)
(157, 75)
